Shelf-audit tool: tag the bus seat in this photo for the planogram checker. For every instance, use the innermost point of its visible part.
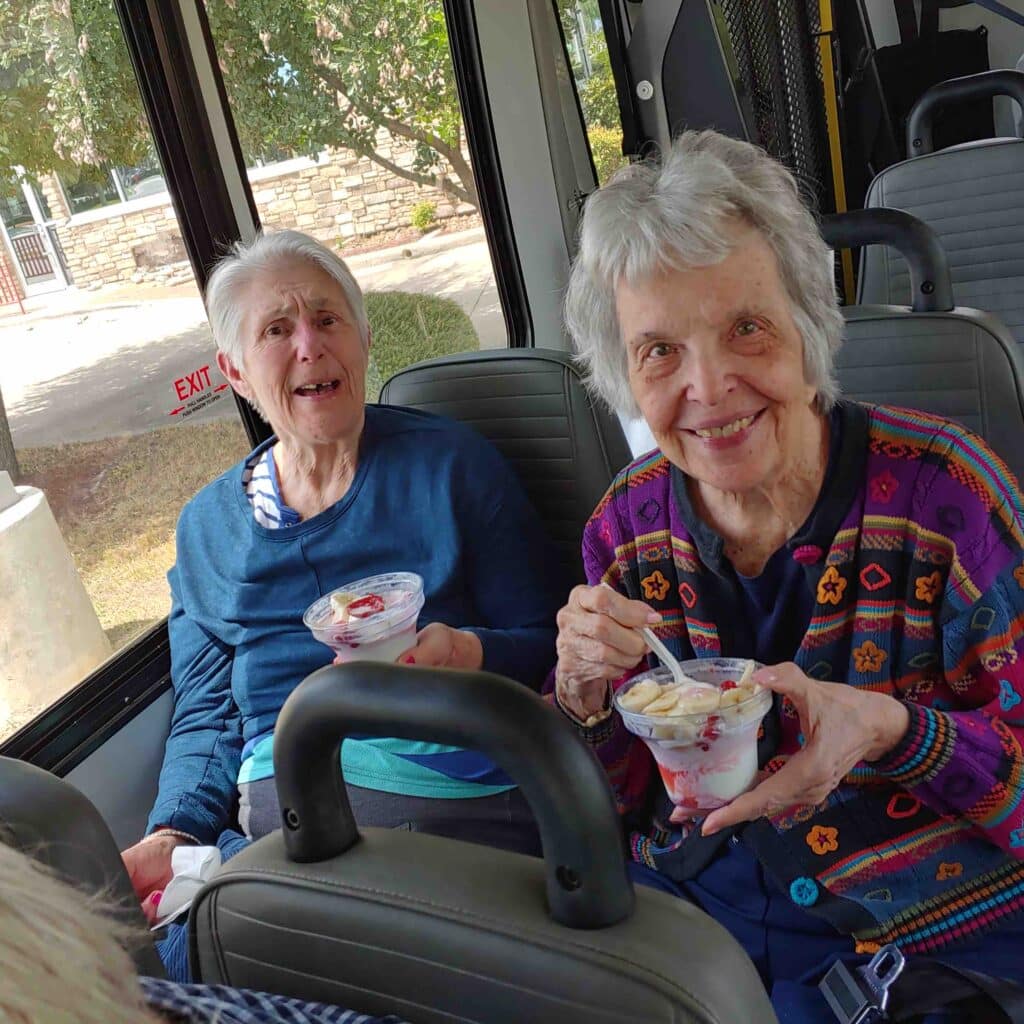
(532, 405)
(943, 359)
(970, 195)
(49, 820)
(437, 930)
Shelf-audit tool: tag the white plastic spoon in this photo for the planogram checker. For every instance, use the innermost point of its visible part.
(667, 659)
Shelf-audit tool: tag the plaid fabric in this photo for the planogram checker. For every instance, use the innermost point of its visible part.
(206, 1004)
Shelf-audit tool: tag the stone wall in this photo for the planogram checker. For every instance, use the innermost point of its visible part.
(339, 198)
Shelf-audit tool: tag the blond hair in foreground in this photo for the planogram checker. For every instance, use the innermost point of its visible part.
(60, 959)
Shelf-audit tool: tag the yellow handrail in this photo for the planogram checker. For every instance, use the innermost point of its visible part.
(828, 81)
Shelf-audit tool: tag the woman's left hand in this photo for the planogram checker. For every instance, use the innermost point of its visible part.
(842, 726)
(441, 646)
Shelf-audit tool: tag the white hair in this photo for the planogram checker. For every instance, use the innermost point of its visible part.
(60, 959)
(245, 262)
(675, 214)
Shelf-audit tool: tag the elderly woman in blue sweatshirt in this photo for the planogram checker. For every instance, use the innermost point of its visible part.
(341, 491)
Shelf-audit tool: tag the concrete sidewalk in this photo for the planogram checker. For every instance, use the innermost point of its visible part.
(86, 365)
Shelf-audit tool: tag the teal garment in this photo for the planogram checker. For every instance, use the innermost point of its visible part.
(384, 764)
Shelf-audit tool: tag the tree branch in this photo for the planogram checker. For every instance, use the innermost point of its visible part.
(410, 175)
(399, 128)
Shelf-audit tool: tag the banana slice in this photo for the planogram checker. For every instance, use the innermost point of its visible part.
(698, 700)
(665, 703)
(638, 697)
(339, 605)
(747, 673)
(737, 696)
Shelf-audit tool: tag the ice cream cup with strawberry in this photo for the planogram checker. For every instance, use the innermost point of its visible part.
(703, 732)
(372, 619)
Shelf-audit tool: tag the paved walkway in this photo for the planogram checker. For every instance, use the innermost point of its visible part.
(87, 365)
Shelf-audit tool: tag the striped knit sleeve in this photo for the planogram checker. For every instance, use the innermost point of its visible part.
(625, 758)
(968, 760)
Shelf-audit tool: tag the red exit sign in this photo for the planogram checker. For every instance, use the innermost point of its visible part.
(196, 390)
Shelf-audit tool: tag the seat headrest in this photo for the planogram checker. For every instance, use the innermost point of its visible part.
(52, 822)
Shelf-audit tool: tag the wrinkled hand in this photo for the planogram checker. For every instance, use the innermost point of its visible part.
(149, 868)
(842, 726)
(597, 642)
(441, 646)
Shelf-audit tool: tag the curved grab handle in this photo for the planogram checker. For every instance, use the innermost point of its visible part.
(931, 288)
(1003, 82)
(566, 787)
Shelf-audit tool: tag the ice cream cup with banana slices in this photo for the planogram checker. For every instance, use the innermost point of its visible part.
(702, 732)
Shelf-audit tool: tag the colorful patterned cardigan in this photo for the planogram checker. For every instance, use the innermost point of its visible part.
(916, 561)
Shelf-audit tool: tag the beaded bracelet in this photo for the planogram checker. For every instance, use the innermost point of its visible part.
(175, 832)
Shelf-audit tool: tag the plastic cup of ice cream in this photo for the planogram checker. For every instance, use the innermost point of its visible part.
(704, 741)
(372, 619)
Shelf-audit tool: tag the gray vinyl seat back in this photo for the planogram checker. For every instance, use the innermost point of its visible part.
(937, 357)
(437, 930)
(962, 364)
(970, 195)
(49, 820)
(532, 405)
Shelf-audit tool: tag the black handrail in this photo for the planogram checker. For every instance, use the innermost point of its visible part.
(566, 787)
(1003, 82)
(917, 243)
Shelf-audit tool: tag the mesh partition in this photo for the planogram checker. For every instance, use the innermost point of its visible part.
(774, 48)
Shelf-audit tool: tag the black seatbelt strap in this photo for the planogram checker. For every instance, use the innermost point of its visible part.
(928, 985)
(890, 989)
(929, 19)
(906, 17)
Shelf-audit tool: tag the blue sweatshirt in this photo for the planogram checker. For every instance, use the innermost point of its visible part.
(429, 496)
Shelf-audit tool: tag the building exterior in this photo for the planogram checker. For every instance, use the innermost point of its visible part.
(338, 198)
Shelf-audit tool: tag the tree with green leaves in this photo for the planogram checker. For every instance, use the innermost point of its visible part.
(301, 75)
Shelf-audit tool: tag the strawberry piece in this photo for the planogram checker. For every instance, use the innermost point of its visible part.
(710, 731)
(729, 684)
(366, 606)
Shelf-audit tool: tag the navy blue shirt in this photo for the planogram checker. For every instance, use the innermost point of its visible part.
(776, 607)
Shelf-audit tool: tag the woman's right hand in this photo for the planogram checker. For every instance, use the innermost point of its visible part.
(598, 641)
(149, 867)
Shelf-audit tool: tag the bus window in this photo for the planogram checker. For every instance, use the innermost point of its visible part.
(111, 405)
(350, 128)
(591, 68)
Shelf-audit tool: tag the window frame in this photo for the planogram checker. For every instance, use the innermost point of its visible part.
(207, 180)
(160, 48)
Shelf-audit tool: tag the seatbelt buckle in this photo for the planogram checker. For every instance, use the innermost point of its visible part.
(861, 996)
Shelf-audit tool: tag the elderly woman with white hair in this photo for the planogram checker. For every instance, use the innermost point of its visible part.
(871, 558)
(342, 491)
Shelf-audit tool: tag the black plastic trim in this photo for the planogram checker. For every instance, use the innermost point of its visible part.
(581, 199)
(80, 722)
(930, 283)
(66, 733)
(565, 785)
(985, 84)
(613, 24)
(159, 51)
(464, 41)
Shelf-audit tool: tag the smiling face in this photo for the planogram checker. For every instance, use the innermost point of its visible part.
(716, 366)
(304, 361)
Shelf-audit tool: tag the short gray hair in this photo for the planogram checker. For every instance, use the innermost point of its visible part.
(246, 261)
(650, 216)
